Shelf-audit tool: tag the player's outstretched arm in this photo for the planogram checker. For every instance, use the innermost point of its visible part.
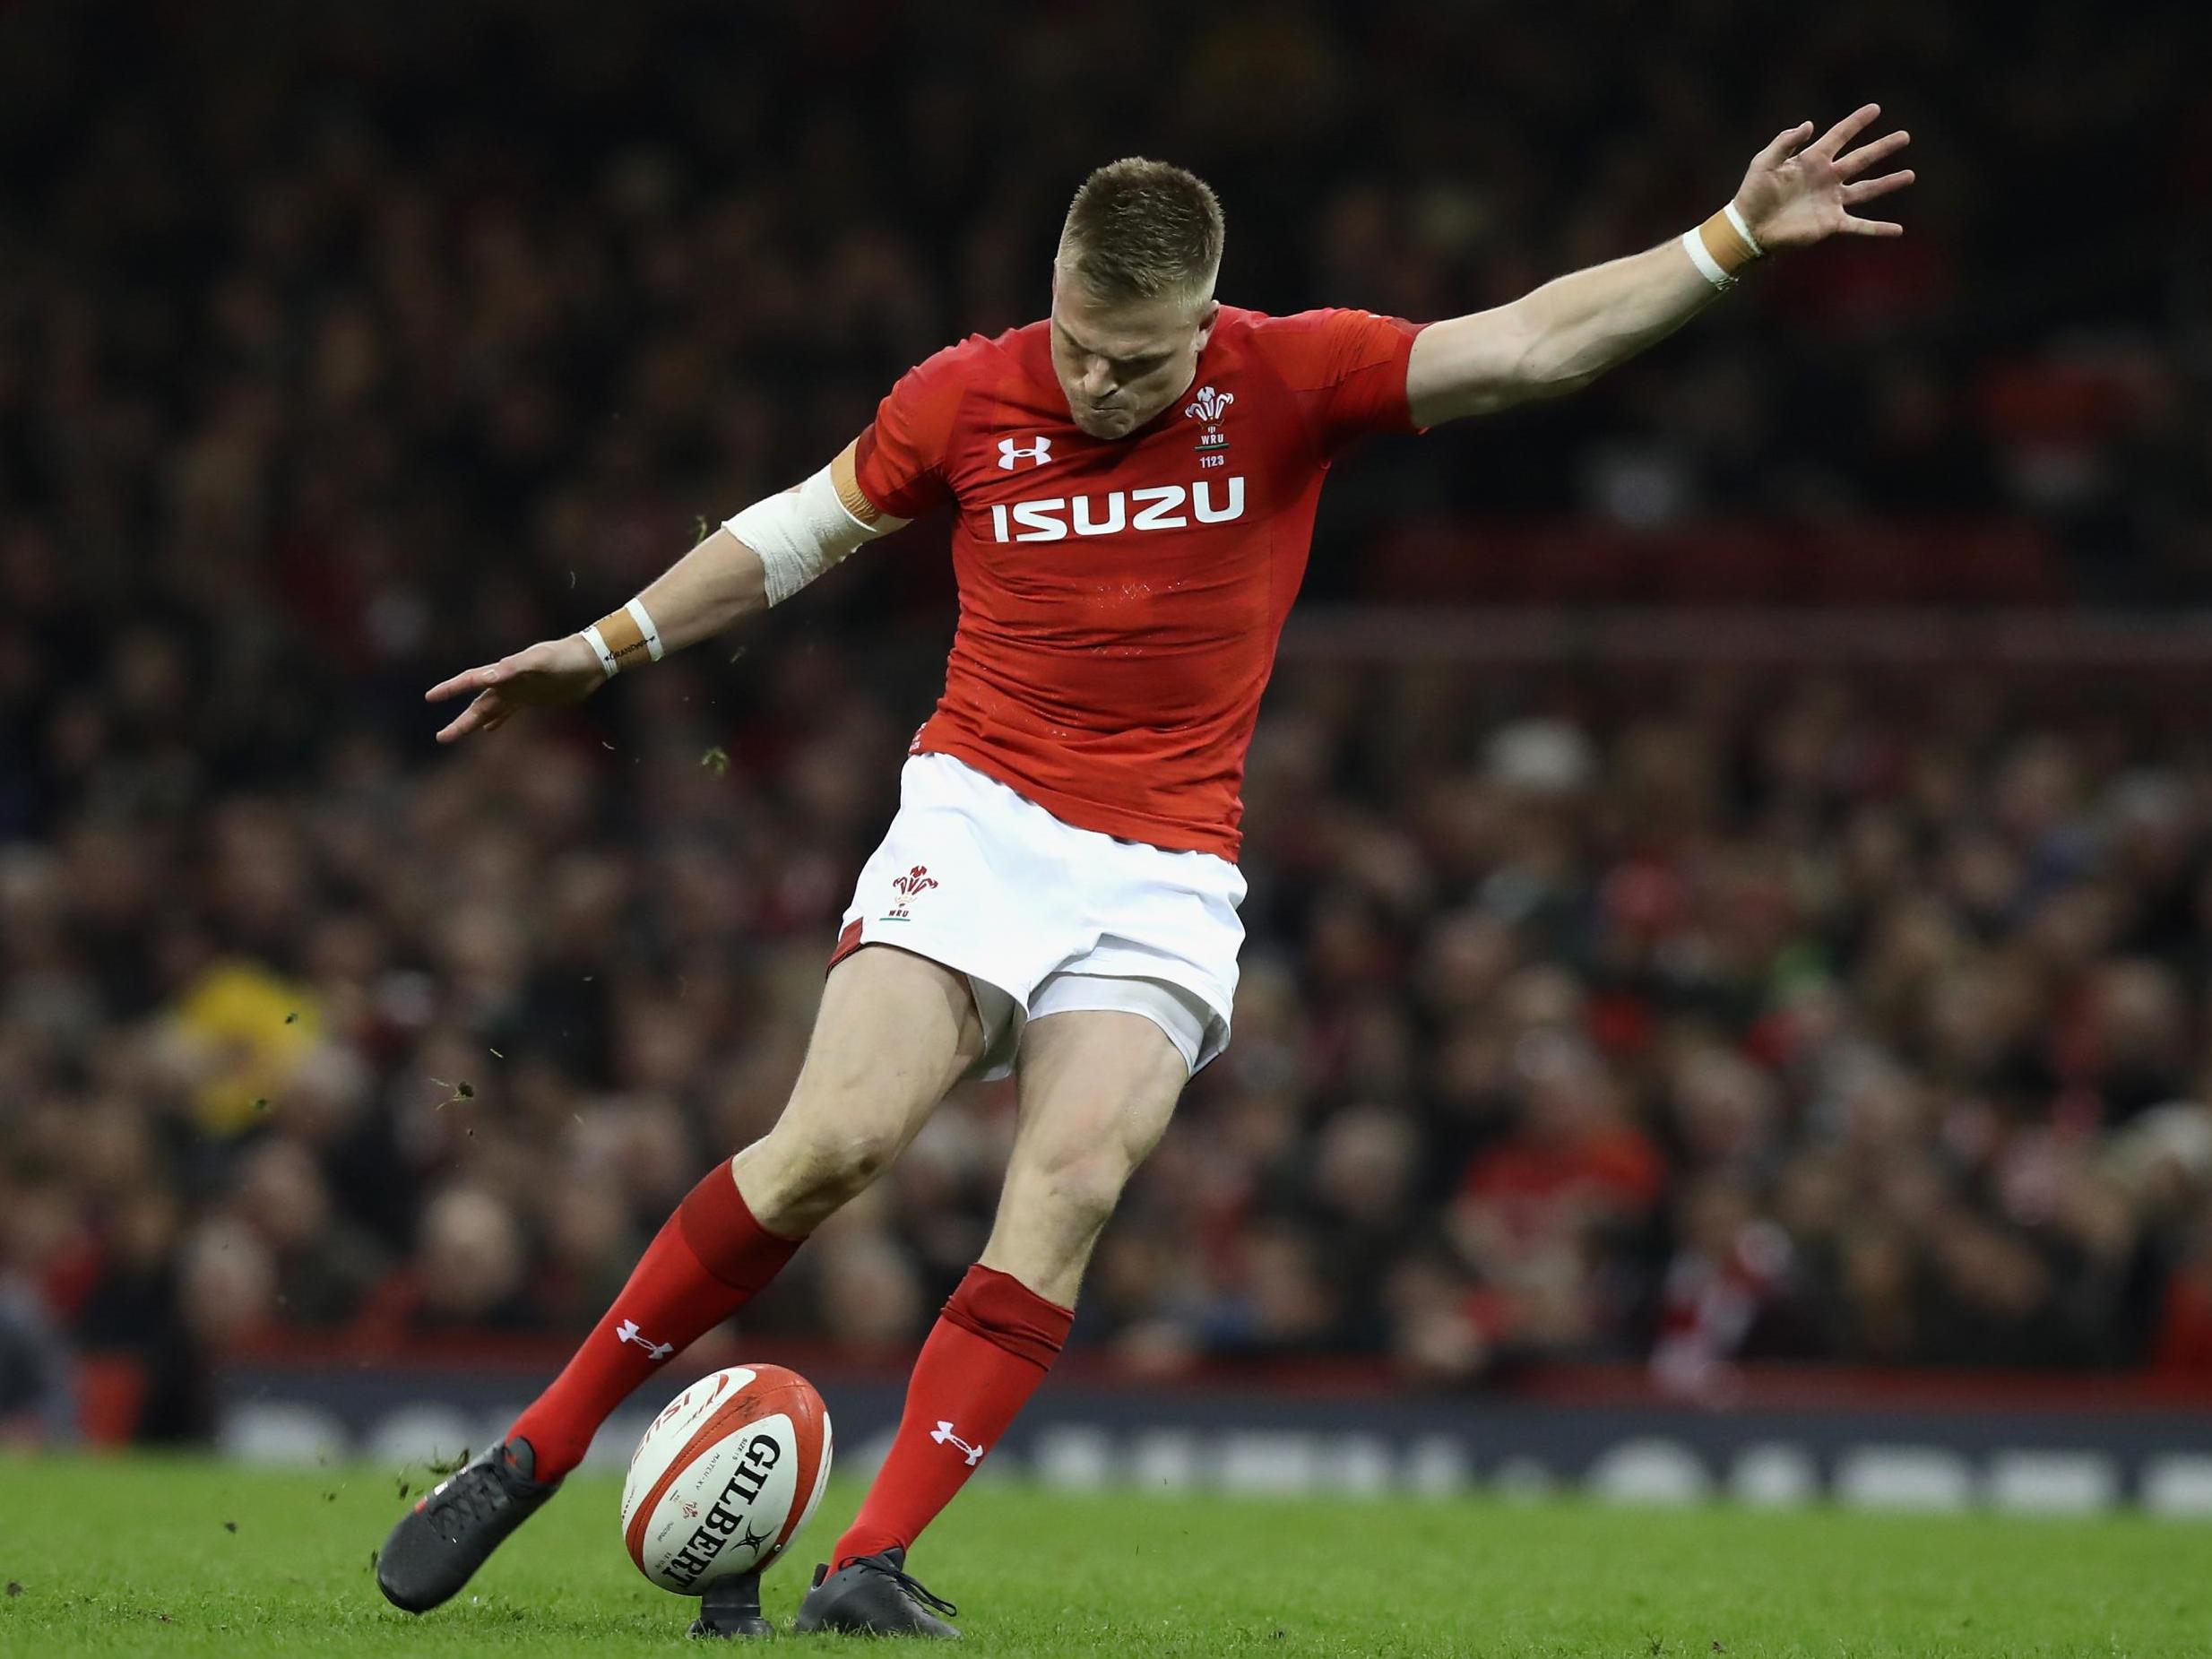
(1563, 335)
(759, 558)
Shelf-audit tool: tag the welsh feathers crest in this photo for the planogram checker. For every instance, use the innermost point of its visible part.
(911, 887)
(1210, 405)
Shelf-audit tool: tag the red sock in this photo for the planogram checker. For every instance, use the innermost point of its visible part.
(707, 1261)
(991, 1347)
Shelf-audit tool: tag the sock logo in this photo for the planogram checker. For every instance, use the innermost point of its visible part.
(656, 1351)
(944, 1436)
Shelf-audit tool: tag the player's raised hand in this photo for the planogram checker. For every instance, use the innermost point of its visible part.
(550, 674)
(1797, 194)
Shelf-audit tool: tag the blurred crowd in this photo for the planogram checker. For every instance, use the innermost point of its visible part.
(1686, 1021)
(1687, 1017)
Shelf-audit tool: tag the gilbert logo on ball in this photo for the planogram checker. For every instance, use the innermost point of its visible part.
(725, 1477)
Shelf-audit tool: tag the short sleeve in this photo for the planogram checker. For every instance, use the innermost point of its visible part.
(899, 461)
(1356, 361)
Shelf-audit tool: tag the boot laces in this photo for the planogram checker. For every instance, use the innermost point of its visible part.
(472, 1496)
(916, 1591)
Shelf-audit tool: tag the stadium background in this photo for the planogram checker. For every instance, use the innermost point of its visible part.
(1729, 851)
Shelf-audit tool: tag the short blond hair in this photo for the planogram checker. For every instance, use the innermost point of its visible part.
(1138, 229)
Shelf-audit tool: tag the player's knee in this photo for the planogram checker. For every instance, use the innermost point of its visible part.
(820, 1168)
(1081, 1184)
(843, 1164)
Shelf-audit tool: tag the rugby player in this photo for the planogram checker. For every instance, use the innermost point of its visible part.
(1134, 481)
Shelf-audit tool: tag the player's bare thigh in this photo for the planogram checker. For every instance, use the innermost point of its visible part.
(893, 1032)
(1096, 1089)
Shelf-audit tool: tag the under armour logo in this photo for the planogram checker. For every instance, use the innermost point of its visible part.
(629, 1334)
(1009, 451)
(944, 1436)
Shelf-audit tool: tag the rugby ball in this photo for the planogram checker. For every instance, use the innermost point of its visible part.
(725, 1477)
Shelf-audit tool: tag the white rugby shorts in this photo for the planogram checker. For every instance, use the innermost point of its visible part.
(1043, 918)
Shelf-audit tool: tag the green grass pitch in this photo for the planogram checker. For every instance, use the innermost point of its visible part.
(140, 1557)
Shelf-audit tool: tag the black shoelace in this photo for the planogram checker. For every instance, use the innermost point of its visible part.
(472, 1496)
(914, 1587)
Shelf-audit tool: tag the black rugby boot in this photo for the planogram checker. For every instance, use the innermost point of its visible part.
(441, 1542)
(874, 1595)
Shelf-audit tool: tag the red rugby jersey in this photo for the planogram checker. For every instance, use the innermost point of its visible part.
(1121, 598)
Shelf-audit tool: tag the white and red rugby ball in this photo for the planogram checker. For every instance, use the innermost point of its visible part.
(725, 1477)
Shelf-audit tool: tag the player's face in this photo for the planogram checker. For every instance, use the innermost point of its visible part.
(1122, 364)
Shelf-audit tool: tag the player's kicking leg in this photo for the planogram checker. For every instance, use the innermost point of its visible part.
(858, 1100)
(1095, 1094)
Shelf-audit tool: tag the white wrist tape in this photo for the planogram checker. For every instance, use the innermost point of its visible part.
(1723, 246)
(622, 634)
(800, 534)
(596, 641)
(644, 619)
(1708, 267)
(1742, 229)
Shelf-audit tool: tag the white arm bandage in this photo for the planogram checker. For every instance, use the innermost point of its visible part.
(800, 534)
